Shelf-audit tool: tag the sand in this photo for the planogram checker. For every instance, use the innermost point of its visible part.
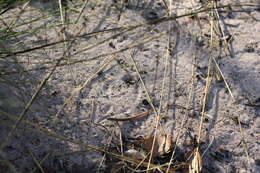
(117, 90)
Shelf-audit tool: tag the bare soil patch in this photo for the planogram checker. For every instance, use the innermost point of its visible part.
(90, 89)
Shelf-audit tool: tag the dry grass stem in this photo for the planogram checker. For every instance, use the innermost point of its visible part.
(87, 81)
(196, 163)
(41, 161)
(27, 107)
(38, 164)
(171, 63)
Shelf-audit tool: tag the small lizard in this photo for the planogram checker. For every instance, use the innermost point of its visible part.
(137, 116)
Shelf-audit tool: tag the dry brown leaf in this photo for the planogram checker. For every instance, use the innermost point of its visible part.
(163, 144)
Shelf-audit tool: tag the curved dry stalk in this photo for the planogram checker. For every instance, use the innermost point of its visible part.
(144, 86)
(225, 81)
(166, 64)
(186, 112)
(153, 108)
(211, 142)
(196, 164)
(208, 83)
(206, 90)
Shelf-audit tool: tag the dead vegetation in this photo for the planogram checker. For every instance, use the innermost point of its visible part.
(73, 72)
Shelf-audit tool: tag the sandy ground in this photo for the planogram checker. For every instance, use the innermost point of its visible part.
(117, 90)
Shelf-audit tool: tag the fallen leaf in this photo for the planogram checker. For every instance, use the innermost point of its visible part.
(163, 144)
